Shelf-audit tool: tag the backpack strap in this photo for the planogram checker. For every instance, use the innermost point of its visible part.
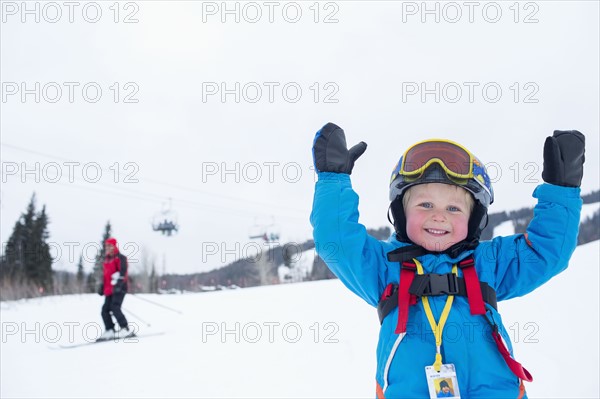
(404, 298)
(388, 301)
(514, 366)
(474, 294)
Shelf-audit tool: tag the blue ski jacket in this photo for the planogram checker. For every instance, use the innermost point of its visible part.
(513, 266)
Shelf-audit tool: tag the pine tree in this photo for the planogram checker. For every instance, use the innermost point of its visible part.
(153, 280)
(27, 245)
(12, 261)
(27, 260)
(80, 275)
(91, 283)
(42, 270)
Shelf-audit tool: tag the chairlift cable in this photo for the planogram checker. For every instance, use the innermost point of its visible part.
(181, 187)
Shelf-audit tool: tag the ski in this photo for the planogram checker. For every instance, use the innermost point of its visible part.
(129, 340)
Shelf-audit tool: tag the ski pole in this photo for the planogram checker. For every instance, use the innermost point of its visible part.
(136, 316)
(157, 304)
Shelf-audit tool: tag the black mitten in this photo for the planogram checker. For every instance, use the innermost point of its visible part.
(101, 290)
(564, 154)
(330, 152)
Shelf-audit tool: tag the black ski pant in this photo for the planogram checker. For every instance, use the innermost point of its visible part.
(112, 304)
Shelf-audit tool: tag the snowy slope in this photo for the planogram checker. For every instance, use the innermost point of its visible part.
(588, 210)
(300, 269)
(504, 229)
(276, 351)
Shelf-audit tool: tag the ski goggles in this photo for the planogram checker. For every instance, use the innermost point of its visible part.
(455, 159)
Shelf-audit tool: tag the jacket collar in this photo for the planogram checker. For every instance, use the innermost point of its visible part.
(407, 251)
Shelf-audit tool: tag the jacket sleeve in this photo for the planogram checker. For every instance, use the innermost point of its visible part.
(524, 262)
(356, 258)
(124, 265)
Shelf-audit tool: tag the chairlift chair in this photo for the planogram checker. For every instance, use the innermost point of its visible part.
(269, 233)
(165, 221)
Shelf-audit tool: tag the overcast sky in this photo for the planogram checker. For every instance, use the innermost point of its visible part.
(116, 107)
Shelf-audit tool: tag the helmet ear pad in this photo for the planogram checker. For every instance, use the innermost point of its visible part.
(399, 219)
(478, 220)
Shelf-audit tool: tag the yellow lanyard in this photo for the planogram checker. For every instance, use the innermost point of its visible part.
(437, 328)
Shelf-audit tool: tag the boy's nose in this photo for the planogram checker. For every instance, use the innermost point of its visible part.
(439, 217)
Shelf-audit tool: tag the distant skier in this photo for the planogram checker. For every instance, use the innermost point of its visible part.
(433, 271)
(114, 288)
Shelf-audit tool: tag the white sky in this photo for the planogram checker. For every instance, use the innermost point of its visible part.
(178, 132)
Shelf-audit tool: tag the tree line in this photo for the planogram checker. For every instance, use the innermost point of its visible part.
(26, 263)
(245, 272)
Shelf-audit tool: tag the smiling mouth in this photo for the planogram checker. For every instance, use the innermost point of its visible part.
(436, 232)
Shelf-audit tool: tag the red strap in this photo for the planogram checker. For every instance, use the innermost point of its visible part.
(387, 292)
(405, 299)
(514, 366)
(478, 307)
(473, 287)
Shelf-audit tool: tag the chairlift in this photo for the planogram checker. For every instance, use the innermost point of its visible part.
(268, 232)
(165, 221)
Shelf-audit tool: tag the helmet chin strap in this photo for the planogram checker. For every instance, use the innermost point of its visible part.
(409, 252)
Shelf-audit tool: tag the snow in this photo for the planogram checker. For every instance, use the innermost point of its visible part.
(301, 267)
(588, 210)
(504, 229)
(311, 339)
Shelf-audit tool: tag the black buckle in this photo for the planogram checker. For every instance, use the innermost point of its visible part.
(435, 284)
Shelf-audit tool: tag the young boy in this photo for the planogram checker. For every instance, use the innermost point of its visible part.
(433, 272)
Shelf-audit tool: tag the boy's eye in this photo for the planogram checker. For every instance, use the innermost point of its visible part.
(453, 208)
(426, 204)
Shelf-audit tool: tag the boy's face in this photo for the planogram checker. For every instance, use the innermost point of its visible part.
(437, 215)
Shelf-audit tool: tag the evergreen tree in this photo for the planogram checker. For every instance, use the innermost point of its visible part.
(26, 261)
(11, 267)
(41, 272)
(27, 258)
(91, 283)
(80, 275)
(153, 280)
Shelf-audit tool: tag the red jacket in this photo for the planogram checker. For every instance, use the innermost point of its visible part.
(114, 263)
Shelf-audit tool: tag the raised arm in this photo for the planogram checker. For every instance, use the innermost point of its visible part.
(526, 261)
(340, 240)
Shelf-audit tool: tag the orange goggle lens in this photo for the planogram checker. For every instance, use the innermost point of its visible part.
(455, 160)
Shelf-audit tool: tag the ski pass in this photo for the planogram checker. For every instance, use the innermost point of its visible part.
(443, 384)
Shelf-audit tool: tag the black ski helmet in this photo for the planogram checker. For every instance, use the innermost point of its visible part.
(434, 169)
